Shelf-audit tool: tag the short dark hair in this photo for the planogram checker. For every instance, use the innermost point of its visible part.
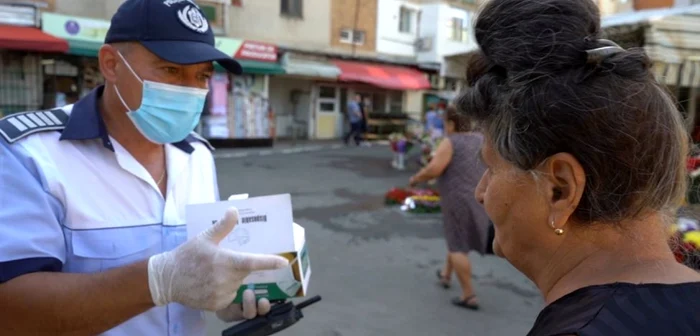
(535, 93)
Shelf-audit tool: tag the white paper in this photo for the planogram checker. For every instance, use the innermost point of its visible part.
(238, 197)
(265, 223)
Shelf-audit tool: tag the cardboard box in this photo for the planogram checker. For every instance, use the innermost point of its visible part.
(265, 225)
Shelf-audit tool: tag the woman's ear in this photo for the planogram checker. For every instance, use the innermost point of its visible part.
(565, 181)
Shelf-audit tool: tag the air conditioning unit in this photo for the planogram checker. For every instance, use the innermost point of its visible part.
(424, 44)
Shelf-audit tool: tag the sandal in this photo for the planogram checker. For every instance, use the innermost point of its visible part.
(465, 303)
(443, 281)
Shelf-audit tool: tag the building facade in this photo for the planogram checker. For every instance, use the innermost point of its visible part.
(28, 76)
(398, 27)
(354, 26)
(302, 24)
(302, 59)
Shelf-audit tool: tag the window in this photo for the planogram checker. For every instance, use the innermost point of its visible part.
(458, 30)
(327, 92)
(291, 8)
(396, 102)
(352, 37)
(327, 106)
(327, 99)
(214, 12)
(406, 20)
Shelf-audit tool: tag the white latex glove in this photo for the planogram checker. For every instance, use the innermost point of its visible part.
(199, 274)
(249, 309)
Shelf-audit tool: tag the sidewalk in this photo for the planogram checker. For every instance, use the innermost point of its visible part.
(282, 147)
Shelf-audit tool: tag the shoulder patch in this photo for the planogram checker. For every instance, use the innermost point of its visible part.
(19, 125)
(201, 139)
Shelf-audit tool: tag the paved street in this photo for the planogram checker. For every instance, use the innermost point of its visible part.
(374, 265)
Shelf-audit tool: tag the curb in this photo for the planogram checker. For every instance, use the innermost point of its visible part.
(267, 152)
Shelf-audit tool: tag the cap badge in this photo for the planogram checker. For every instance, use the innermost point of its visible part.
(192, 18)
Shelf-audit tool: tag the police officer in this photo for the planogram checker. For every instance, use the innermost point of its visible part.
(92, 195)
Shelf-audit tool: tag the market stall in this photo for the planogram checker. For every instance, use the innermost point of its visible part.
(238, 112)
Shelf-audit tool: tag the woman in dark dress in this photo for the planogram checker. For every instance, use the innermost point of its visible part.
(585, 166)
(466, 225)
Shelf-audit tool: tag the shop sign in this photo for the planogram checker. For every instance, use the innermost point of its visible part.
(227, 45)
(18, 15)
(75, 28)
(257, 51)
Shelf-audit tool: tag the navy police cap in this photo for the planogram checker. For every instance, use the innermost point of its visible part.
(174, 30)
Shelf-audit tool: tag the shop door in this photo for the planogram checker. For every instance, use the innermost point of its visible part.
(301, 116)
(328, 112)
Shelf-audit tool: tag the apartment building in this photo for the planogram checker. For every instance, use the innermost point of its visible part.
(298, 24)
(427, 32)
(354, 26)
(398, 27)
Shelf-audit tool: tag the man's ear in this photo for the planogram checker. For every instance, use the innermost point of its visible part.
(108, 60)
(565, 181)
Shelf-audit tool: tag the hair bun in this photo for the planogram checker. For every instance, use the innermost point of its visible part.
(542, 36)
(485, 81)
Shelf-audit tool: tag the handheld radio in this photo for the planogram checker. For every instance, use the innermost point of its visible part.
(281, 316)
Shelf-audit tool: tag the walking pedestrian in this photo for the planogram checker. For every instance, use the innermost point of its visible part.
(92, 224)
(465, 222)
(355, 116)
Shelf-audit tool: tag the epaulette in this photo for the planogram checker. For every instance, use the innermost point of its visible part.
(19, 125)
(201, 139)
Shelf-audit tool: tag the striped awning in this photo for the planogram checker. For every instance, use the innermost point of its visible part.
(671, 39)
(674, 39)
(686, 74)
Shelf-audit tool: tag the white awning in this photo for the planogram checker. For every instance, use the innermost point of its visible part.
(645, 16)
(671, 39)
(299, 65)
(672, 35)
(686, 74)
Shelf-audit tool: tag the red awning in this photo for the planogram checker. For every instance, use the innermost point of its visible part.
(30, 39)
(384, 76)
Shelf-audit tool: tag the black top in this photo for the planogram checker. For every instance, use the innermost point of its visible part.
(623, 309)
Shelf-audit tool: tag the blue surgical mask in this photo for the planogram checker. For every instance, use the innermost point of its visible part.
(168, 113)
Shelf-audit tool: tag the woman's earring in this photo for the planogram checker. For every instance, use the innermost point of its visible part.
(558, 232)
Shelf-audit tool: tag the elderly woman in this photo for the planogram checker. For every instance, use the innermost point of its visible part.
(585, 157)
(458, 170)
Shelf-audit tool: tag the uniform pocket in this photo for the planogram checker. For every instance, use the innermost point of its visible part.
(99, 250)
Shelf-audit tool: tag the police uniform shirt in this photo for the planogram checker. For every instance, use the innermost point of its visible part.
(73, 200)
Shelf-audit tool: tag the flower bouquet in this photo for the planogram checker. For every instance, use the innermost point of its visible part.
(422, 204)
(400, 145)
(693, 167)
(398, 196)
(685, 242)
